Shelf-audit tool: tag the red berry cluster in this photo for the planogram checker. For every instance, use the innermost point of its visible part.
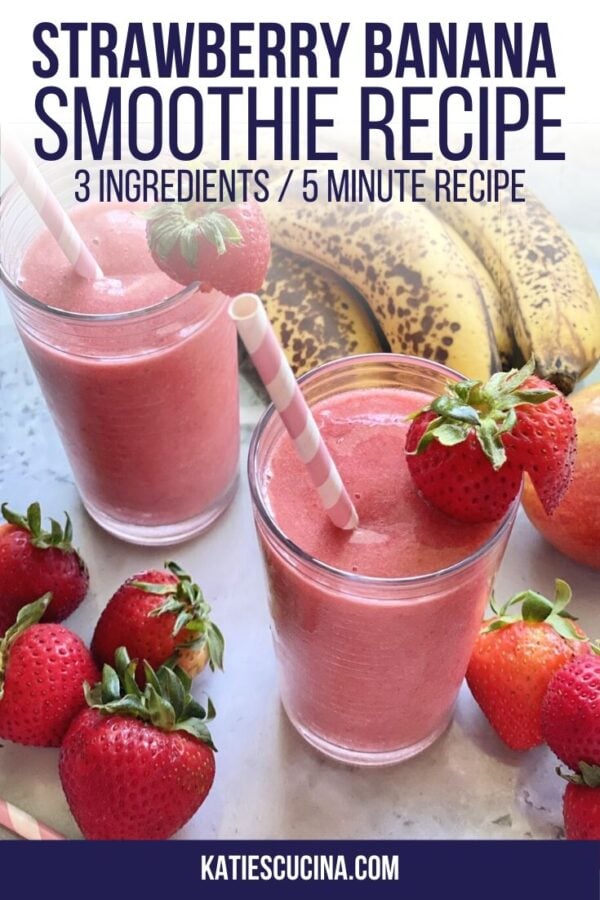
(154, 636)
(536, 676)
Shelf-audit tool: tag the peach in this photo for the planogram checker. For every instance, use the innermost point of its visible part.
(574, 529)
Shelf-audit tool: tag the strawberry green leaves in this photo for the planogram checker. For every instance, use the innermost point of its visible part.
(58, 537)
(165, 701)
(537, 608)
(218, 230)
(587, 776)
(179, 225)
(468, 450)
(185, 600)
(486, 409)
(224, 247)
(209, 636)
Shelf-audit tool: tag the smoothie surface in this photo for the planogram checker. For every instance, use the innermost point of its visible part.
(116, 236)
(399, 534)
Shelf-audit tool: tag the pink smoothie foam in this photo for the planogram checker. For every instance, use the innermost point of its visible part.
(116, 235)
(360, 671)
(151, 430)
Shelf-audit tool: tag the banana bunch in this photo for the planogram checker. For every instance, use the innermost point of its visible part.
(316, 315)
(546, 290)
(475, 286)
(427, 290)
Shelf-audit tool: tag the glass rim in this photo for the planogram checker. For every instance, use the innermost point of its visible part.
(7, 196)
(355, 578)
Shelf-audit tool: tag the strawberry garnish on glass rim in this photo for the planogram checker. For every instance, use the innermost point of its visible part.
(467, 450)
(222, 246)
(186, 223)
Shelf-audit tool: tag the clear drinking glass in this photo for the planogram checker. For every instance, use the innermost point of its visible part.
(369, 667)
(146, 402)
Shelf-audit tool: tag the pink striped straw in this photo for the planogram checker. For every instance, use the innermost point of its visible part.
(274, 370)
(24, 825)
(55, 218)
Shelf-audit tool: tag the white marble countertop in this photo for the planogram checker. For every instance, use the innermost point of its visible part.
(269, 783)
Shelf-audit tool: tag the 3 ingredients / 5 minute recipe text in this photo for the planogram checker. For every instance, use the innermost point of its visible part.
(342, 185)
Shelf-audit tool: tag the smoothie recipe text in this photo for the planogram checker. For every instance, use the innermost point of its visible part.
(433, 90)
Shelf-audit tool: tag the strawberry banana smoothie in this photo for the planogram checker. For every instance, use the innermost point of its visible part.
(373, 628)
(146, 402)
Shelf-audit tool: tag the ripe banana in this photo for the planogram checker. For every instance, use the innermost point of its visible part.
(546, 288)
(316, 315)
(424, 294)
(497, 311)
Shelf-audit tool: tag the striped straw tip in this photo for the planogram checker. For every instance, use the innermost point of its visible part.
(352, 521)
(276, 374)
(244, 306)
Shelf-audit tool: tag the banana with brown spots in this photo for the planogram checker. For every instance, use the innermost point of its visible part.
(316, 315)
(498, 313)
(425, 295)
(546, 288)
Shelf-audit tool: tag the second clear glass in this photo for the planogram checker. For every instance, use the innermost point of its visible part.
(370, 667)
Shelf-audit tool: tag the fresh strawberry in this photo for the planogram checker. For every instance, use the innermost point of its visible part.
(514, 659)
(227, 248)
(468, 449)
(160, 616)
(42, 671)
(571, 712)
(34, 562)
(137, 765)
(581, 804)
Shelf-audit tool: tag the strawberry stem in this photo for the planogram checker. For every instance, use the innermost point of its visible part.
(185, 225)
(184, 599)
(537, 608)
(58, 537)
(165, 701)
(587, 776)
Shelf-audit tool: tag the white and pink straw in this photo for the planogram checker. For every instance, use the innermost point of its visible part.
(274, 370)
(51, 212)
(21, 823)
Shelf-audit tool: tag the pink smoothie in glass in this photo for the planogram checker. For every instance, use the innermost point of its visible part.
(370, 667)
(147, 407)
